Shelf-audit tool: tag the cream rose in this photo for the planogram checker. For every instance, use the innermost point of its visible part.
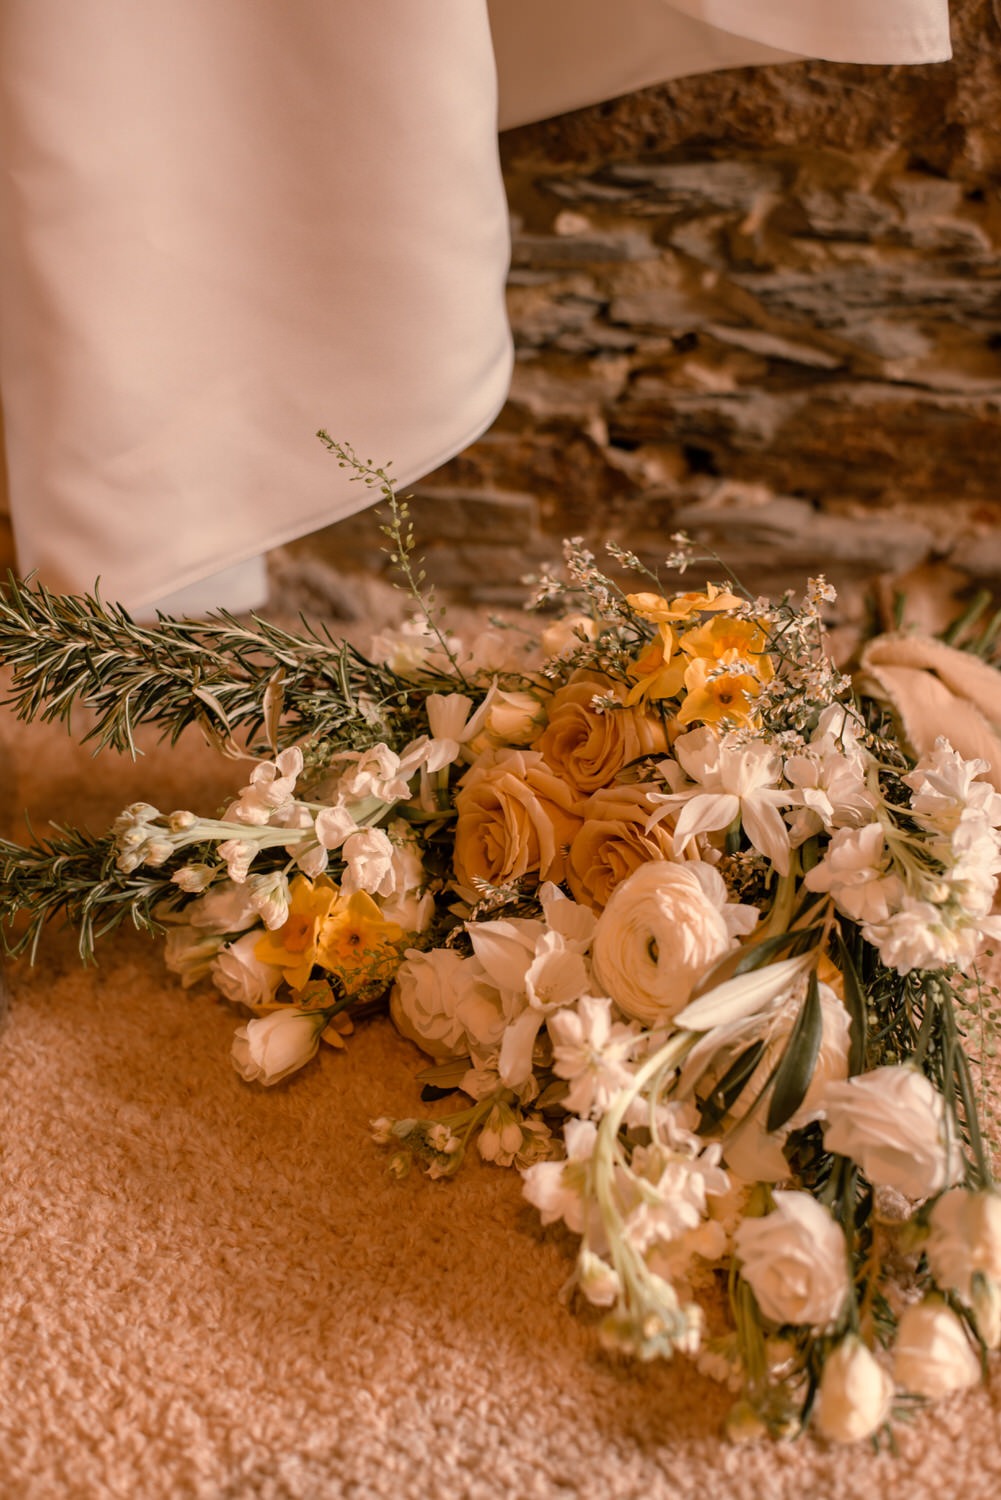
(855, 1394)
(892, 1122)
(424, 1003)
(587, 748)
(933, 1355)
(795, 1261)
(611, 843)
(515, 818)
(513, 719)
(268, 1050)
(242, 977)
(658, 934)
(964, 1254)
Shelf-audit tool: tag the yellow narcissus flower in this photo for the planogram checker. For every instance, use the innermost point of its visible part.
(712, 699)
(725, 639)
(293, 946)
(659, 671)
(359, 947)
(659, 610)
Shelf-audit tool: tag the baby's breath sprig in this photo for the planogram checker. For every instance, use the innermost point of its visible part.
(399, 532)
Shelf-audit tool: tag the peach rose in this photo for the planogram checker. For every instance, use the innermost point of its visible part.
(589, 748)
(611, 844)
(515, 817)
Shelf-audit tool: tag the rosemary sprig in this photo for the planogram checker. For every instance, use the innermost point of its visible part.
(72, 873)
(219, 673)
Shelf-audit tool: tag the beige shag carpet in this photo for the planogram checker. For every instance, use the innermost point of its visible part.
(215, 1291)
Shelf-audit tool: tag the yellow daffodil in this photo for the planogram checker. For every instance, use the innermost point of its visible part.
(293, 946)
(712, 699)
(359, 947)
(659, 671)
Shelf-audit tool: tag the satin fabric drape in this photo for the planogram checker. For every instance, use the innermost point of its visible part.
(226, 224)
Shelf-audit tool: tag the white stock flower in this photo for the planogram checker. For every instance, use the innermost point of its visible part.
(964, 1244)
(658, 934)
(856, 872)
(269, 897)
(269, 1049)
(242, 977)
(732, 779)
(855, 1394)
(427, 997)
(946, 789)
(379, 773)
(410, 910)
(559, 1189)
(334, 824)
(933, 1355)
(593, 1053)
(893, 1123)
(829, 792)
(795, 1261)
(923, 935)
(672, 1206)
(556, 977)
(272, 783)
(238, 855)
(369, 863)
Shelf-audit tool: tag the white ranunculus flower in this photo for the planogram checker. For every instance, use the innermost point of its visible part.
(893, 1123)
(933, 1355)
(795, 1261)
(656, 937)
(242, 977)
(425, 1001)
(855, 1395)
(270, 1048)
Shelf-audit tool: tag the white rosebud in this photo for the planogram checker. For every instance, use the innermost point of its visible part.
(425, 999)
(855, 1395)
(933, 1356)
(795, 1261)
(892, 1122)
(242, 977)
(269, 1049)
(965, 1238)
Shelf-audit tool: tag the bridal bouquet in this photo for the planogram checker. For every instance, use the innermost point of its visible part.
(687, 934)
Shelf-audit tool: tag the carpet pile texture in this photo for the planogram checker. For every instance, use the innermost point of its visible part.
(214, 1290)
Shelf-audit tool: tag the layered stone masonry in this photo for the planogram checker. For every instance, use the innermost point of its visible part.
(763, 307)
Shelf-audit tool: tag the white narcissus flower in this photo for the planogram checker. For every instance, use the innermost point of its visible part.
(269, 1049)
(656, 937)
(731, 780)
(795, 1261)
(933, 1355)
(894, 1124)
(855, 1394)
(242, 977)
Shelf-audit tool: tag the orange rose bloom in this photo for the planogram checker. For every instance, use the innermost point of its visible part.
(611, 843)
(515, 817)
(587, 748)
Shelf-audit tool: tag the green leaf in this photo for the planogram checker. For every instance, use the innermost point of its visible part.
(855, 1005)
(754, 956)
(799, 1059)
(730, 1087)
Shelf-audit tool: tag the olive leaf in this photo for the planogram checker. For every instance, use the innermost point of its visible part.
(792, 1078)
(855, 1005)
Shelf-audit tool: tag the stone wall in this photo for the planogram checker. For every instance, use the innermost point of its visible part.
(761, 306)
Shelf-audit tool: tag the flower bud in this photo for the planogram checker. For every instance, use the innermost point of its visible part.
(933, 1355)
(855, 1393)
